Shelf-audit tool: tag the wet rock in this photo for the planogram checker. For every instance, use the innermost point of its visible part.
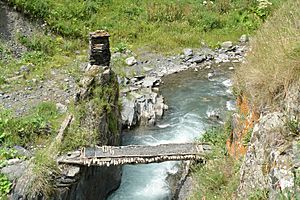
(128, 113)
(130, 61)
(210, 75)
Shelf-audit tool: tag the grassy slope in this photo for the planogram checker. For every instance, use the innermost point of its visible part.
(218, 178)
(273, 64)
(160, 25)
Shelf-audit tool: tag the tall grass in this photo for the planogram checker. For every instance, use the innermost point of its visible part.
(273, 64)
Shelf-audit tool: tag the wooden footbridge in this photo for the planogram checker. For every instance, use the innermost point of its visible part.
(135, 154)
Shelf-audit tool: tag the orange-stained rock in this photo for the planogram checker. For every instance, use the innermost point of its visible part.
(242, 123)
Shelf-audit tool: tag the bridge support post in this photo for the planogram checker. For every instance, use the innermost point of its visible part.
(99, 48)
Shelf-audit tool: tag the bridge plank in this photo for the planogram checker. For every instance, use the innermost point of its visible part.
(135, 154)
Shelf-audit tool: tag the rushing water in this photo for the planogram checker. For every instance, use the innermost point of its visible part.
(191, 98)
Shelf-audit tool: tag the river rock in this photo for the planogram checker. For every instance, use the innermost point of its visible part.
(197, 59)
(188, 52)
(129, 112)
(149, 81)
(227, 45)
(209, 53)
(130, 61)
(210, 75)
(244, 38)
(222, 57)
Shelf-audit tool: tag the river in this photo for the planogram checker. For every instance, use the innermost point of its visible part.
(192, 99)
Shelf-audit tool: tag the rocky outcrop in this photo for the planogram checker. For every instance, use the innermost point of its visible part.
(142, 107)
(271, 164)
(98, 100)
(242, 124)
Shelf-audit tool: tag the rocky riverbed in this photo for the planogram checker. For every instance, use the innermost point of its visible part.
(142, 103)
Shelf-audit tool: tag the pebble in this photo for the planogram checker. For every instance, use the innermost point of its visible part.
(210, 75)
(244, 38)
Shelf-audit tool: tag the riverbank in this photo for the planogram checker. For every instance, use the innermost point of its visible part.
(264, 135)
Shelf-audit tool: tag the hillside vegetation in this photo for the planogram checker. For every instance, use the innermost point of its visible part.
(159, 25)
(273, 64)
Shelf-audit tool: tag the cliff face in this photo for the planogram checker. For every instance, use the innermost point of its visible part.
(271, 164)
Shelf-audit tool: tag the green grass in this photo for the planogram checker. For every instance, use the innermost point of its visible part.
(162, 26)
(159, 25)
(5, 186)
(34, 128)
(44, 169)
(218, 178)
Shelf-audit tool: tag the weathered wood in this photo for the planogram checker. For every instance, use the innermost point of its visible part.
(64, 126)
(135, 154)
